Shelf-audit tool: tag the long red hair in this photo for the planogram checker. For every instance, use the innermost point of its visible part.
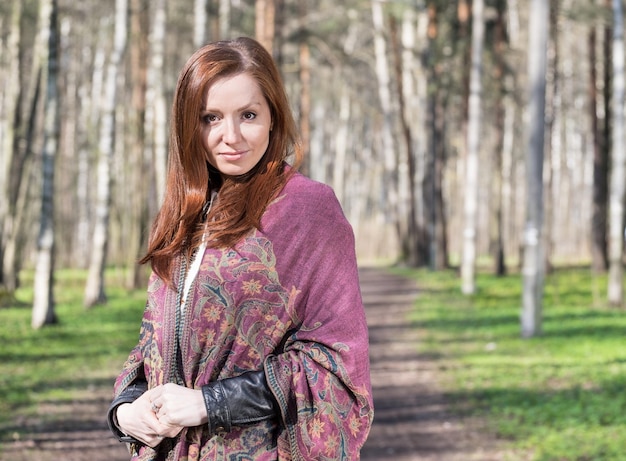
(190, 179)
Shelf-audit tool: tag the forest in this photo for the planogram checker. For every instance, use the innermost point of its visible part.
(478, 134)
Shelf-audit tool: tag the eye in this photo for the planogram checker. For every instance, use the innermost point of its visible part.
(248, 116)
(209, 118)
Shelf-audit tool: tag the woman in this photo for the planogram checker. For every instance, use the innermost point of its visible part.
(253, 343)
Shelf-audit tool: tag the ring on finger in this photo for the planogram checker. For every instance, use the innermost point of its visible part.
(154, 408)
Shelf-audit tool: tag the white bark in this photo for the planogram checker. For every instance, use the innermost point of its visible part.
(94, 290)
(43, 299)
(533, 264)
(468, 259)
(156, 113)
(618, 168)
(224, 19)
(384, 95)
(199, 22)
(318, 160)
(8, 107)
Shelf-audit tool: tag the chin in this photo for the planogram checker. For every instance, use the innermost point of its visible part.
(233, 171)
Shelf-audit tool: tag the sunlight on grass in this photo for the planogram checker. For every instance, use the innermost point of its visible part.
(560, 395)
(85, 349)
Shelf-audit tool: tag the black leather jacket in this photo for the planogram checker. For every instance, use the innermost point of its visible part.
(237, 401)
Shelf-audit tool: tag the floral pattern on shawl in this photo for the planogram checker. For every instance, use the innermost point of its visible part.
(257, 306)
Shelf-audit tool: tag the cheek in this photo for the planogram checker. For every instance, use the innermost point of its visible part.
(206, 140)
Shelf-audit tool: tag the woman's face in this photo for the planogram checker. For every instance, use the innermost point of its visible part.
(236, 124)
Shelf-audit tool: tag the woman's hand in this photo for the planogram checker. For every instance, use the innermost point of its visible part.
(176, 405)
(140, 421)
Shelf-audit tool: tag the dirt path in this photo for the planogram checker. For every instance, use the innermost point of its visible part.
(411, 418)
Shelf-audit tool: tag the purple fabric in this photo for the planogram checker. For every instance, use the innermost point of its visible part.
(285, 299)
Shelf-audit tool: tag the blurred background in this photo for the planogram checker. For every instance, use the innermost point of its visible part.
(473, 144)
(388, 109)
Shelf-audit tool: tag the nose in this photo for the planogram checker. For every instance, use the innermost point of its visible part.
(232, 131)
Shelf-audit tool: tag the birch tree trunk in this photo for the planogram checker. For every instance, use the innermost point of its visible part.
(224, 19)
(9, 101)
(43, 299)
(156, 113)
(468, 261)
(618, 167)
(384, 94)
(533, 258)
(199, 22)
(94, 289)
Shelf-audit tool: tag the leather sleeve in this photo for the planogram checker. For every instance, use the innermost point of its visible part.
(128, 395)
(244, 399)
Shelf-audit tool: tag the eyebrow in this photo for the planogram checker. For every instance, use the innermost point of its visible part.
(247, 106)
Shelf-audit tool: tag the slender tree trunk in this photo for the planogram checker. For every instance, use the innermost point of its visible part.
(43, 300)
(599, 251)
(265, 23)
(200, 17)
(551, 154)
(341, 143)
(305, 91)
(533, 266)
(224, 18)
(412, 235)
(138, 202)
(384, 94)
(156, 117)
(435, 150)
(94, 289)
(497, 229)
(618, 163)
(8, 121)
(468, 261)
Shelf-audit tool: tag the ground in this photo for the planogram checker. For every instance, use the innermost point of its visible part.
(412, 418)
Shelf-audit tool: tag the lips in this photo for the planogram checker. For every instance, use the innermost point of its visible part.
(233, 155)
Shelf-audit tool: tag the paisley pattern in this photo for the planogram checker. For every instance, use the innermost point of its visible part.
(285, 299)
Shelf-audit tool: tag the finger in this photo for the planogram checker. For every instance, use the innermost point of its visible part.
(154, 393)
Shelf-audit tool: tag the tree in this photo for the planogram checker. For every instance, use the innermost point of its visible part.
(199, 22)
(468, 262)
(94, 289)
(388, 144)
(137, 204)
(618, 166)
(265, 22)
(533, 264)
(43, 302)
(599, 232)
(8, 156)
(499, 76)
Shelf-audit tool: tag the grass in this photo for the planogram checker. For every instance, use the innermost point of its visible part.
(58, 363)
(559, 396)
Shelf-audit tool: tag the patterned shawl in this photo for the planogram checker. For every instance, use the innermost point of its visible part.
(286, 299)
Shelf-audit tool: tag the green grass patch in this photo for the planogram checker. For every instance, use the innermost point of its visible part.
(560, 395)
(85, 349)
